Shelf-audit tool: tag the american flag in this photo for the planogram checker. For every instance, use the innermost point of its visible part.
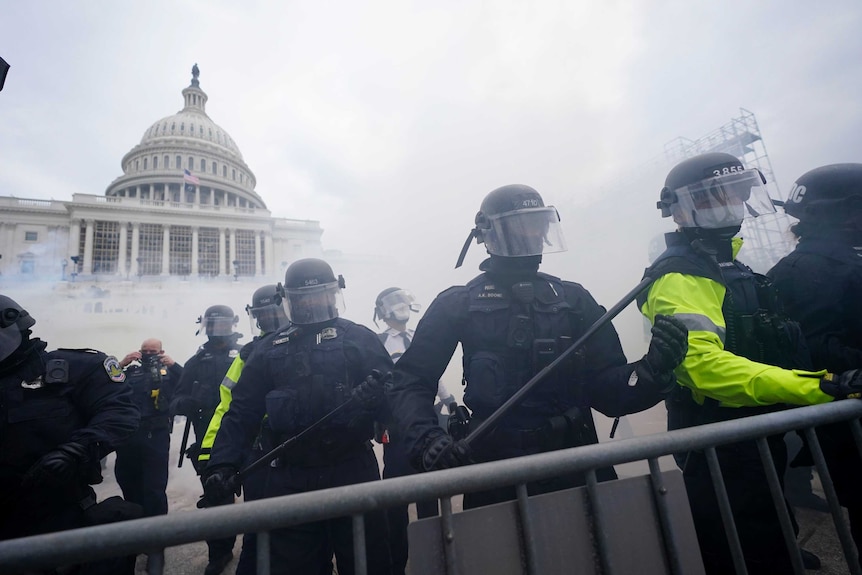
(188, 177)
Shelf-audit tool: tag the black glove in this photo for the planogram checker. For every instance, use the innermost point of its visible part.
(668, 345)
(184, 405)
(443, 452)
(221, 484)
(843, 385)
(369, 393)
(59, 467)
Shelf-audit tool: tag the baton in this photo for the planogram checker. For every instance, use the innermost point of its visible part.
(277, 451)
(487, 424)
(185, 441)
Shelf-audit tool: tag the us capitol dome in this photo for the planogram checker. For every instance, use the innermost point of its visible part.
(185, 205)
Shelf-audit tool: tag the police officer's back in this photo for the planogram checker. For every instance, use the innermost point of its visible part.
(511, 322)
(295, 377)
(60, 413)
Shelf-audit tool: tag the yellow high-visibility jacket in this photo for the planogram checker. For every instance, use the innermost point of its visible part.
(709, 370)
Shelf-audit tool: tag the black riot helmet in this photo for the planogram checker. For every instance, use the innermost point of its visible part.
(15, 324)
(715, 192)
(395, 304)
(829, 195)
(266, 313)
(218, 321)
(311, 292)
(514, 222)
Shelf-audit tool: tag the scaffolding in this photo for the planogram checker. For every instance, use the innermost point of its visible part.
(767, 239)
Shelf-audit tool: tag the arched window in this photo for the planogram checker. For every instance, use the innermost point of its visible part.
(202, 131)
(203, 166)
(145, 163)
(191, 129)
(211, 133)
(215, 168)
(173, 127)
(233, 174)
(164, 129)
(155, 162)
(137, 165)
(179, 162)
(224, 172)
(191, 163)
(167, 162)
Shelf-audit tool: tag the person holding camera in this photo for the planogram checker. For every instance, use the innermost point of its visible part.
(141, 468)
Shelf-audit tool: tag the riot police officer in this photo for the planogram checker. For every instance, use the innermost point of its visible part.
(197, 397)
(295, 376)
(745, 357)
(820, 284)
(511, 322)
(266, 315)
(393, 306)
(60, 413)
(141, 467)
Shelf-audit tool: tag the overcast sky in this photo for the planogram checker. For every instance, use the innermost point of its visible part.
(389, 121)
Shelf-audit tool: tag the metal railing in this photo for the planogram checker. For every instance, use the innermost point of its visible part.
(146, 535)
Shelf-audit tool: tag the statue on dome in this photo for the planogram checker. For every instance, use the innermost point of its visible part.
(195, 73)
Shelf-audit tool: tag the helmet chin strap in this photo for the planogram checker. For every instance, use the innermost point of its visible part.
(474, 233)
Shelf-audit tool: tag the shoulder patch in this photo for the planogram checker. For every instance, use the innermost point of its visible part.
(113, 369)
(233, 353)
(328, 333)
(280, 340)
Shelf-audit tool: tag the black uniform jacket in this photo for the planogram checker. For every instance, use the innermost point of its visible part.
(479, 316)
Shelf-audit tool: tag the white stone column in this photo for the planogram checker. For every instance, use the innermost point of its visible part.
(136, 247)
(74, 238)
(121, 256)
(232, 251)
(258, 270)
(7, 233)
(88, 248)
(270, 256)
(195, 255)
(166, 250)
(197, 195)
(221, 262)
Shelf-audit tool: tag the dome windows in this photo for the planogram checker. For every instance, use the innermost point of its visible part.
(167, 162)
(179, 162)
(155, 162)
(173, 127)
(215, 168)
(203, 166)
(145, 163)
(191, 163)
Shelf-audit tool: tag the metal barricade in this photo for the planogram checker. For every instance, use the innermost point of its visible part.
(142, 535)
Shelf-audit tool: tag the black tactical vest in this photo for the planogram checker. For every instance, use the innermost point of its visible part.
(514, 331)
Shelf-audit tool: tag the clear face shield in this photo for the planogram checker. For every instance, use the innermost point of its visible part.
(313, 304)
(266, 318)
(722, 201)
(397, 305)
(528, 232)
(217, 326)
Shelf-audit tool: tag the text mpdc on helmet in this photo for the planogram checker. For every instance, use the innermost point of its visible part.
(828, 194)
(395, 304)
(266, 312)
(217, 321)
(514, 222)
(713, 191)
(14, 320)
(311, 292)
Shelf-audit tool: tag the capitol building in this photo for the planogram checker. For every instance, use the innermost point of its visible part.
(185, 206)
